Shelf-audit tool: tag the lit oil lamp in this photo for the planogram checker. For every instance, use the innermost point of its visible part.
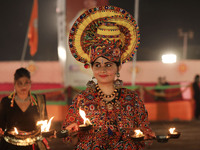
(138, 135)
(15, 131)
(45, 126)
(173, 133)
(22, 138)
(87, 125)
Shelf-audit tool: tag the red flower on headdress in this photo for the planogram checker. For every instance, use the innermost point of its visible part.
(87, 65)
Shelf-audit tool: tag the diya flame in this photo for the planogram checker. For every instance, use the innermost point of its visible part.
(83, 115)
(138, 133)
(45, 124)
(16, 131)
(172, 131)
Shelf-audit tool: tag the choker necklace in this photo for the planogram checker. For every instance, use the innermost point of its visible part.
(102, 95)
(22, 100)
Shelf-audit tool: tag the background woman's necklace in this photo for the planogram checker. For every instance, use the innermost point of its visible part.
(22, 100)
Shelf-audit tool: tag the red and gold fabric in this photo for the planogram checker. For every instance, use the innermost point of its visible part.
(111, 122)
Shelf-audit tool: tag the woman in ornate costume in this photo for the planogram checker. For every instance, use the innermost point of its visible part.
(21, 110)
(105, 37)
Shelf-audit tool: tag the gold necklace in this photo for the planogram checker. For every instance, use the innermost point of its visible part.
(102, 95)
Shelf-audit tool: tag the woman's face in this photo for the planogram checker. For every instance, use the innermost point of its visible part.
(22, 86)
(104, 70)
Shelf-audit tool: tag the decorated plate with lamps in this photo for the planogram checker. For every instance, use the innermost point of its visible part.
(22, 138)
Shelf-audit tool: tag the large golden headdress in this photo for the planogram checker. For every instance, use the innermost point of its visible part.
(106, 31)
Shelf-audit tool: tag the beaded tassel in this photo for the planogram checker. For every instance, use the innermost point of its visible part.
(12, 101)
(33, 102)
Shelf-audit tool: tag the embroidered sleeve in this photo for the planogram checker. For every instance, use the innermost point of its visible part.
(72, 114)
(142, 116)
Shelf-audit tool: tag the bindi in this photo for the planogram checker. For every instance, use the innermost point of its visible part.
(101, 61)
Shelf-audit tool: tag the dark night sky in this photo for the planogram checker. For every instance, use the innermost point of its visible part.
(159, 21)
(15, 17)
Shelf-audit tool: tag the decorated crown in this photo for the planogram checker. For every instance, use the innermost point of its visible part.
(105, 31)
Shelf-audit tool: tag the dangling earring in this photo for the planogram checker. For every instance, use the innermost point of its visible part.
(33, 101)
(118, 83)
(91, 84)
(13, 97)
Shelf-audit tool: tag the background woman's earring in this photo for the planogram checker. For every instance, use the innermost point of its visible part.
(91, 84)
(118, 83)
(13, 97)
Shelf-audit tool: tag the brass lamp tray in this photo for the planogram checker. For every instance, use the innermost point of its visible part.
(23, 138)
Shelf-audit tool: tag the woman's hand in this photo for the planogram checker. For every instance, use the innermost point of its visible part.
(72, 128)
(150, 135)
(1, 132)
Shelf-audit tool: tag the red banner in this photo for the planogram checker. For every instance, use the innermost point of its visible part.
(33, 29)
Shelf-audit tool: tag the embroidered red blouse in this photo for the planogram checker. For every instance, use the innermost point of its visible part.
(112, 122)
